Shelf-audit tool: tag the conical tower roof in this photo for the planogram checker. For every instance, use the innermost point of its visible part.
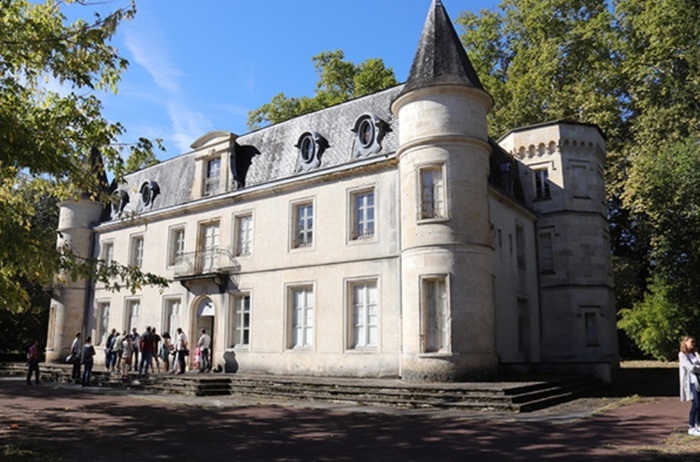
(440, 58)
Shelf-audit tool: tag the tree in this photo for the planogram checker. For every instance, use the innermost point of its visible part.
(664, 191)
(631, 67)
(46, 137)
(543, 61)
(339, 81)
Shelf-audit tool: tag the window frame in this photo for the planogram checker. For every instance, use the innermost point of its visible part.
(129, 315)
(101, 322)
(308, 324)
(443, 347)
(429, 209)
(352, 342)
(174, 250)
(354, 225)
(136, 250)
(238, 218)
(211, 186)
(107, 252)
(591, 313)
(240, 325)
(208, 258)
(296, 230)
(167, 316)
(541, 182)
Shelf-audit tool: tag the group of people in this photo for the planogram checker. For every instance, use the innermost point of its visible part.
(130, 351)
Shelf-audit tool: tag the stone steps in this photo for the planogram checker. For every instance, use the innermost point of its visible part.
(512, 396)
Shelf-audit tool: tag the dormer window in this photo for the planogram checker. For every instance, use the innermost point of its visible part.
(215, 160)
(213, 177)
(311, 146)
(369, 131)
(149, 192)
(119, 201)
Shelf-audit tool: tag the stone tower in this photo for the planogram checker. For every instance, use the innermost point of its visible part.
(565, 185)
(447, 256)
(67, 314)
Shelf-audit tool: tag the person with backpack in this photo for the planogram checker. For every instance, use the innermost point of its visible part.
(33, 362)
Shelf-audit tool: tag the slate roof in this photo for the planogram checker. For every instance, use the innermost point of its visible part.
(270, 154)
(440, 57)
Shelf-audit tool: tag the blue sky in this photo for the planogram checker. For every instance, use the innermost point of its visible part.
(201, 66)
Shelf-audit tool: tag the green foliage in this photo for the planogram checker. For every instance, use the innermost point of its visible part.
(544, 60)
(663, 192)
(339, 81)
(653, 323)
(142, 155)
(46, 136)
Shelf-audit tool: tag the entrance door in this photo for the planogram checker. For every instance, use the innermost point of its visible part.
(205, 320)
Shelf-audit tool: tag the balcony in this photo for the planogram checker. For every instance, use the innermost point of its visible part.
(219, 265)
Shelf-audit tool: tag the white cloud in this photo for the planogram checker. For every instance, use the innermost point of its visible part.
(150, 51)
(187, 126)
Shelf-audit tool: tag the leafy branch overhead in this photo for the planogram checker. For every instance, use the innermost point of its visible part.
(46, 136)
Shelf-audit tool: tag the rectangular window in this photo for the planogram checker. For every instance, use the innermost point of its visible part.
(302, 317)
(435, 315)
(303, 225)
(244, 235)
(211, 183)
(363, 215)
(177, 246)
(520, 246)
(102, 322)
(133, 314)
(241, 323)
(590, 319)
(546, 254)
(365, 329)
(541, 177)
(107, 253)
(432, 198)
(209, 250)
(136, 256)
(171, 318)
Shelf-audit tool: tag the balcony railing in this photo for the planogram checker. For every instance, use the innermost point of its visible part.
(205, 262)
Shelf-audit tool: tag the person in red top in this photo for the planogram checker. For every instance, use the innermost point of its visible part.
(33, 362)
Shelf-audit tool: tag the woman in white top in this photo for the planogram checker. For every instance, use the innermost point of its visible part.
(689, 365)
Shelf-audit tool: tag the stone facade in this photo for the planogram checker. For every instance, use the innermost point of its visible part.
(386, 236)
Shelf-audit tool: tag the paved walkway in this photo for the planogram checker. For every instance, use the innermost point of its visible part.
(52, 423)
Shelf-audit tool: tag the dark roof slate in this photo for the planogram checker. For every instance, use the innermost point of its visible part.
(440, 58)
(269, 154)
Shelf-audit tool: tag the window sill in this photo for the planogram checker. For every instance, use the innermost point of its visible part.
(436, 354)
(427, 221)
(361, 350)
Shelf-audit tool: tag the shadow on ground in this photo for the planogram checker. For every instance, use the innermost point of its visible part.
(52, 423)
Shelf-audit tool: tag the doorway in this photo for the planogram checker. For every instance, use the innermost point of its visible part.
(206, 312)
